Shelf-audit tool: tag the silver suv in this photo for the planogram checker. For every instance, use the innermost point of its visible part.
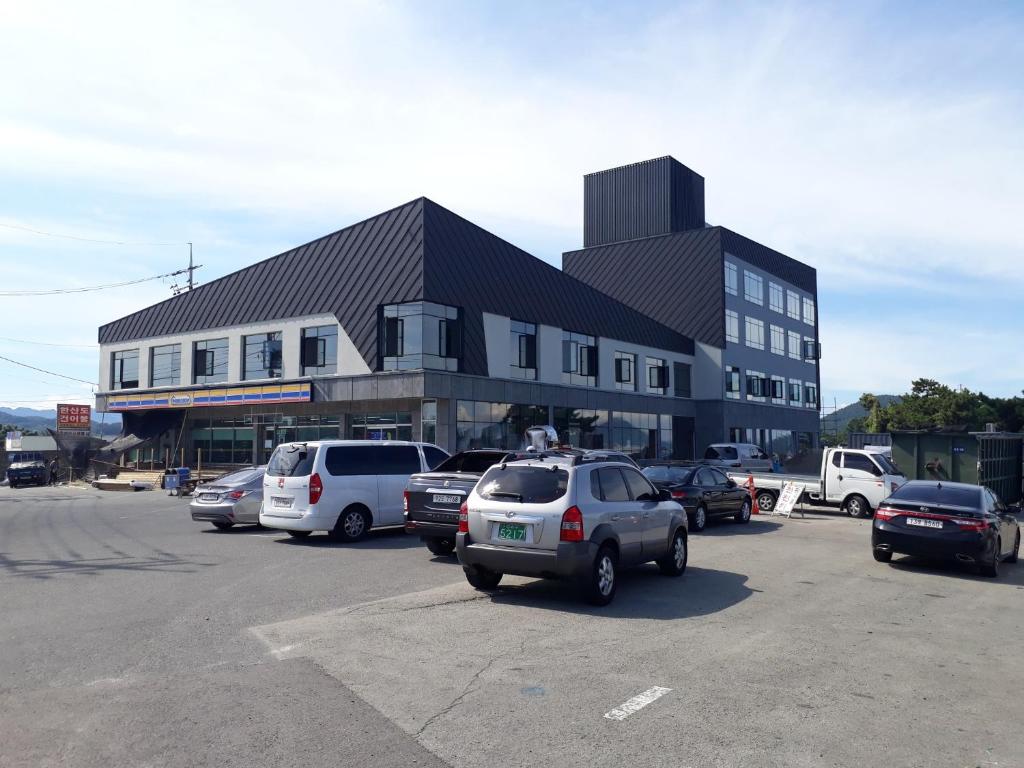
(571, 517)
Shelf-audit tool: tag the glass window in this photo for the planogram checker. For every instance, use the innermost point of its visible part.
(663, 474)
(810, 350)
(732, 381)
(471, 461)
(706, 478)
(732, 326)
(210, 361)
(778, 340)
(776, 298)
(778, 385)
(757, 384)
(165, 365)
(731, 281)
(262, 356)
(934, 494)
(395, 459)
(319, 350)
(428, 421)
(390, 425)
(613, 486)
(523, 484)
(420, 334)
(124, 369)
(860, 462)
(637, 434)
(637, 483)
(434, 456)
(811, 394)
(657, 375)
(794, 345)
(291, 461)
(524, 350)
(753, 288)
(683, 383)
(582, 427)
(793, 304)
(579, 359)
(625, 371)
(794, 392)
(755, 333)
(809, 311)
(495, 425)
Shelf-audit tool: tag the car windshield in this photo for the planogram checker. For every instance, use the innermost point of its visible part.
(888, 466)
(525, 484)
(475, 462)
(240, 477)
(935, 494)
(665, 474)
(293, 460)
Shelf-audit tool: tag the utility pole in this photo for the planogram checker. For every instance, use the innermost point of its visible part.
(191, 268)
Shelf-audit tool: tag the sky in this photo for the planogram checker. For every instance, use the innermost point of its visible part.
(881, 143)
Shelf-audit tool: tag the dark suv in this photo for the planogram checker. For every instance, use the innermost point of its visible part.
(27, 468)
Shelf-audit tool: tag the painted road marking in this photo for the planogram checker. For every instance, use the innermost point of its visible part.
(637, 703)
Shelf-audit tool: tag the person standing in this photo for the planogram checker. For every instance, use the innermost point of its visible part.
(53, 472)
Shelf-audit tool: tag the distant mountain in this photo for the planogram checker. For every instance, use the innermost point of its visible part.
(39, 420)
(837, 421)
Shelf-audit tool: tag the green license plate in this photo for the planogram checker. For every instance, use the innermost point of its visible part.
(512, 531)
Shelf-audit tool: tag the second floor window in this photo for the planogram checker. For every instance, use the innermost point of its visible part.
(794, 345)
(795, 392)
(210, 361)
(657, 376)
(755, 333)
(579, 359)
(524, 350)
(165, 365)
(778, 340)
(124, 373)
(682, 376)
(625, 371)
(811, 395)
(319, 350)
(420, 334)
(732, 381)
(262, 356)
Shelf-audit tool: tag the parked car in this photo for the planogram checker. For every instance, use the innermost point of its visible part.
(704, 492)
(432, 499)
(231, 499)
(570, 517)
(957, 521)
(854, 480)
(28, 468)
(344, 487)
(738, 456)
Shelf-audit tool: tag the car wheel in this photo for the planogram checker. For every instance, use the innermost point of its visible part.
(222, 526)
(481, 578)
(699, 519)
(858, 507)
(440, 547)
(353, 525)
(14, 485)
(1016, 550)
(674, 562)
(991, 568)
(299, 534)
(603, 581)
(743, 516)
(882, 555)
(765, 501)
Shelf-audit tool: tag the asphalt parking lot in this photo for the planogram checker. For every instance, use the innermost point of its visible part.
(132, 636)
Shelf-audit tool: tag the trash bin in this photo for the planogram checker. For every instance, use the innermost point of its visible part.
(175, 479)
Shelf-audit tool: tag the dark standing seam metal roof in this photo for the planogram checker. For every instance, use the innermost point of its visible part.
(675, 279)
(347, 274)
(419, 250)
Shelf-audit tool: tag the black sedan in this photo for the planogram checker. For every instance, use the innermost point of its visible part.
(955, 521)
(704, 492)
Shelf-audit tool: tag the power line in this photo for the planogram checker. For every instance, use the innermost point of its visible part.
(48, 343)
(48, 373)
(61, 291)
(83, 239)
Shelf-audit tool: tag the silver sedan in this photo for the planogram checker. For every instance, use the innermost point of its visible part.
(234, 498)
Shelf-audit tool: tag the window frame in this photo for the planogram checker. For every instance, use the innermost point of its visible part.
(793, 300)
(117, 361)
(757, 340)
(753, 280)
(733, 317)
(776, 291)
(731, 270)
(174, 380)
(267, 348)
(625, 371)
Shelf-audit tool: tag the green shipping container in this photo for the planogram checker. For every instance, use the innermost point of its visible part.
(992, 459)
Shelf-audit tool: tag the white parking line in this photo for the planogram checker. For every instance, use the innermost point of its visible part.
(637, 703)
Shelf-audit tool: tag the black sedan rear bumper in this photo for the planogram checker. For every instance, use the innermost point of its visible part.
(966, 546)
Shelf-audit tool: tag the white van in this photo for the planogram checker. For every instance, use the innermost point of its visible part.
(345, 487)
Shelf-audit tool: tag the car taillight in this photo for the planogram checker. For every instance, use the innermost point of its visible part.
(971, 524)
(572, 525)
(405, 502)
(464, 518)
(316, 487)
(236, 495)
(678, 494)
(887, 513)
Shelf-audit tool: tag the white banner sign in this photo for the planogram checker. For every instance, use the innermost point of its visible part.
(13, 441)
(791, 493)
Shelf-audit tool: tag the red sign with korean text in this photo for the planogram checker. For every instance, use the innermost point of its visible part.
(74, 416)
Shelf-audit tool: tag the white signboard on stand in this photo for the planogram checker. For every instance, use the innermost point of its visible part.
(788, 498)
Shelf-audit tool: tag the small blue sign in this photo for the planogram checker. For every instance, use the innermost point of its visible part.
(959, 449)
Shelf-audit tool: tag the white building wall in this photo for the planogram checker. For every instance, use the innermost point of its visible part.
(708, 375)
(549, 354)
(497, 334)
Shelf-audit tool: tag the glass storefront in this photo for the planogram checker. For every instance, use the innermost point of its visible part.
(390, 425)
(582, 427)
(782, 443)
(495, 425)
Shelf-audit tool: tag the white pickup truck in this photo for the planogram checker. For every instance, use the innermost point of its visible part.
(853, 480)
